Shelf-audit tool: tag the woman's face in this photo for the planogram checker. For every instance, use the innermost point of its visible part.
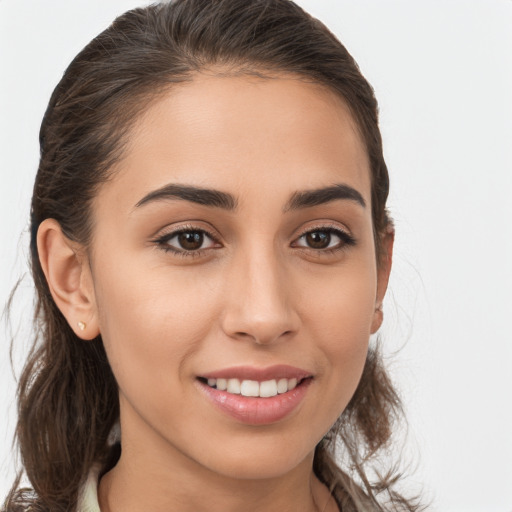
(234, 243)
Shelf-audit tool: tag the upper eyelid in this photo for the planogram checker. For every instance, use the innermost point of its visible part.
(169, 232)
(325, 226)
(212, 233)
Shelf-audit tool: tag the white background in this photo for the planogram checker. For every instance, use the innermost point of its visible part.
(442, 71)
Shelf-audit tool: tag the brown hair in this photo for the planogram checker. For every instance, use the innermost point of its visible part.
(67, 393)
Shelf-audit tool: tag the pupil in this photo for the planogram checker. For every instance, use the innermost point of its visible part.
(318, 239)
(191, 240)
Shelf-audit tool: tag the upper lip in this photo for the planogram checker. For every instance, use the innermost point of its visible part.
(278, 371)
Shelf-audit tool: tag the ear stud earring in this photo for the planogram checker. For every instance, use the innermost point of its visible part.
(380, 307)
(82, 326)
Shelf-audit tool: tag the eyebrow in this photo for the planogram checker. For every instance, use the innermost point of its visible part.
(203, 196)
(226, 201)
(315, 197)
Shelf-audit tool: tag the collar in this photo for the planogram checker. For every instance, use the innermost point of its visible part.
(88, 495)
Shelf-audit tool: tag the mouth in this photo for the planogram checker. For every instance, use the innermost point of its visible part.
(256, 396)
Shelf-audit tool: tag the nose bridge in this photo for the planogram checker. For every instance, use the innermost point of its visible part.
(258, 304)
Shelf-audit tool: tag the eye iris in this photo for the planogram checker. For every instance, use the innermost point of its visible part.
(318, 239)
(191, 240)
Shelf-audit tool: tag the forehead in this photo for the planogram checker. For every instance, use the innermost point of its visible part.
(242, 134)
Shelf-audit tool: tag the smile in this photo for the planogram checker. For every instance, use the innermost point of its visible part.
(256, 396)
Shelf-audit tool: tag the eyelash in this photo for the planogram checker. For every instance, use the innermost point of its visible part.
(346, 239)
(162, 242)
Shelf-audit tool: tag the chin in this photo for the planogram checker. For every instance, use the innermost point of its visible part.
(260, 460)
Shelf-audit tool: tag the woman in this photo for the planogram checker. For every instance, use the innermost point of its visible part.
(211, 250)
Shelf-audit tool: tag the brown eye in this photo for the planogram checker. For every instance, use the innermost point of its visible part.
(187, 241)
(325, 239)
(190, 240)
(318, 239)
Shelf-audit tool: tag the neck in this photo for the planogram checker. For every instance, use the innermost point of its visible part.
(131, 487)
(154, 474)
(160, 478)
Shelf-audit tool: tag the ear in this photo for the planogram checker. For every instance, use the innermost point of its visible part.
(66, 268)
(383, 270)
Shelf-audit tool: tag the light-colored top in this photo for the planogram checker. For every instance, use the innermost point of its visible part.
(88, 496)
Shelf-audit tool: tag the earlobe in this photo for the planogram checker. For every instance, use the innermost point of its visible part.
(69, 279)
(378, 318)
(383, 271)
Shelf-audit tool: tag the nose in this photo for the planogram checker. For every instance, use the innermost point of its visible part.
(259, 300)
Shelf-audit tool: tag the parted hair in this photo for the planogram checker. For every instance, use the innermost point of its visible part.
(67, 394)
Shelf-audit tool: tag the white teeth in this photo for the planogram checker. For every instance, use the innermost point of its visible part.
(233, 386)
(250, 388)
(282, 385)
(268, 388)
(253, 388)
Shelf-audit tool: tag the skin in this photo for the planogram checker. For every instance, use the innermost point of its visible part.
(257, 295)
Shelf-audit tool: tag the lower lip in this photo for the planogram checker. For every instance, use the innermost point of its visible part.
(255, 410)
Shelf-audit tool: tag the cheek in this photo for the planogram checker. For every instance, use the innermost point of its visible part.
(152, 323)
(341, 302)
(338, 316)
